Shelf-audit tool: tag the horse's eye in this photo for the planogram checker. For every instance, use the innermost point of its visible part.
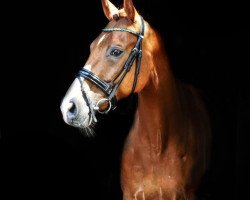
(115, 52)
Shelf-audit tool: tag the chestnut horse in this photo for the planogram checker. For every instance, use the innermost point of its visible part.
(167, 150)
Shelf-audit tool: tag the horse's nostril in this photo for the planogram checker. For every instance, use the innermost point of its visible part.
(72, 110)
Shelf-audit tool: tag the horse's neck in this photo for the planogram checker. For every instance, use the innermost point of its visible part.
(158, 106)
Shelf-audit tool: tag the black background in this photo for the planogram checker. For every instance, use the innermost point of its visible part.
(45, 44)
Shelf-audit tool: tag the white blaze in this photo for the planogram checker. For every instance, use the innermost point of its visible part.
(101, 39)
(74, 91)
(88, 67)
(81, 117)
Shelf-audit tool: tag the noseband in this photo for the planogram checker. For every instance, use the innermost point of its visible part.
(109, 88)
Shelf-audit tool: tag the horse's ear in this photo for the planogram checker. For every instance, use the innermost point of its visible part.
(129, 9)
(109, 9)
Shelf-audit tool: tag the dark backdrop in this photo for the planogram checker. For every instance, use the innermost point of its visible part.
(46, 43)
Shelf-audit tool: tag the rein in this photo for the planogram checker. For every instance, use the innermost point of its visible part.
(109, 88)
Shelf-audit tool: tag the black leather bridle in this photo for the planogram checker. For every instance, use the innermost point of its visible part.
(109, 88)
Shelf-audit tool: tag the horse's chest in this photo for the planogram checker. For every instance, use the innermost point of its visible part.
(141, 185)
(147, 176)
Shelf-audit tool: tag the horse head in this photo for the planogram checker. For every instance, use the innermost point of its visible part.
(116, 67)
